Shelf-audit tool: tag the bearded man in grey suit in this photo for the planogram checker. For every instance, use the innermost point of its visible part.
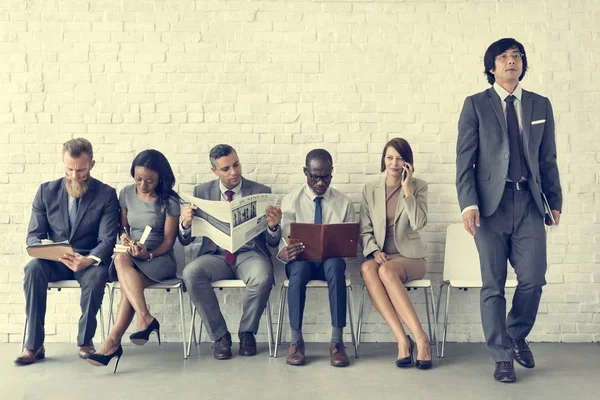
(505, 159)
(85, 212)
(251, 263)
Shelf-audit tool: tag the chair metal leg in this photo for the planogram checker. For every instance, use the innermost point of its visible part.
(180, 290)
(24, 335)
(193, 326)
(192, 333)
(269, 328)
(428, 318)
(446, 319)
(279, 319)
(102, 335)
(350, 301)
(437, 311)
(361, 309)
(111, 300)
(200, 333)
(435, 322)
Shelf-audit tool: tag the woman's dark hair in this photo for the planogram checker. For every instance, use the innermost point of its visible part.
(157, 162)
(402, 147)
(497, 48)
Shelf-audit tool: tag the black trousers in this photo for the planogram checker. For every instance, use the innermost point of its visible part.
(332, 270)
(37, 275)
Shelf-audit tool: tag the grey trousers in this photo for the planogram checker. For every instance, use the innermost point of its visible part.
(252, 267)
(37, 275)
(514, 232)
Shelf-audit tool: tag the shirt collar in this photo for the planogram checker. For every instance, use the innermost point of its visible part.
(503, 93)
(236, 190)
(312, 196)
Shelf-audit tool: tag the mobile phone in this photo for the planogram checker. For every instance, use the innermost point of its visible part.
(404, 173)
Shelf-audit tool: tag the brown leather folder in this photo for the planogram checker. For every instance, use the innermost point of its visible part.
(323, 241)
(49, 251)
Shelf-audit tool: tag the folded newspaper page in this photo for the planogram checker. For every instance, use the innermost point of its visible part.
(231, 224)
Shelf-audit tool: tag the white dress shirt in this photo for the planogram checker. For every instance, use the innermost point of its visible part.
(97, 261)
(299, 206)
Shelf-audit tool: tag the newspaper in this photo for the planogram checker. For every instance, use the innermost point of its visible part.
(231, 224)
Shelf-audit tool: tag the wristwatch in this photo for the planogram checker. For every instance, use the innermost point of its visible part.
(151, 257)
(273, 229)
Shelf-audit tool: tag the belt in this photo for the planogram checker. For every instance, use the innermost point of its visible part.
(516, 185)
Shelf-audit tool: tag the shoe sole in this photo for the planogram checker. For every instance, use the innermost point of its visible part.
(296, 364)
(248, 354)
(506, 380)
(139, 342)
(39, 357)
(95, 363)
(222, 357)
(340, 365)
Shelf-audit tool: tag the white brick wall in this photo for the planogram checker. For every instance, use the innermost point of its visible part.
(276, 79)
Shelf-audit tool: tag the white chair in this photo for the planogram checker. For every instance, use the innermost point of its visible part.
(461, 268)
(168, 285)
(311, 285)
(424, 284)
(229, 284)
(69, 284)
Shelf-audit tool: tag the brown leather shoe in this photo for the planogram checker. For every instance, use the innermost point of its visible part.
(30, 356)
(296, 354)
(338, 356)
(86, 350)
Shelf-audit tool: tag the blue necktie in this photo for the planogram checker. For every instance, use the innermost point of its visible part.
(318, 210)
(73, 212)
(516, 163)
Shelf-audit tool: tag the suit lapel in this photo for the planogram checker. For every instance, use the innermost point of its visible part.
(245, 190)
(527, 111)
(495, 101)
(63, 204)
(215, 191)
(83, 205)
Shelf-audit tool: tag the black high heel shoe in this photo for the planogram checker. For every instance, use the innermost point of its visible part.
(100, 360)
(141, 338)
(407, 361)
(423, 364)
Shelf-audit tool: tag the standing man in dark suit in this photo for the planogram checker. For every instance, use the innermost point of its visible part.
(84, 211)
(505, 159)
(251, 263)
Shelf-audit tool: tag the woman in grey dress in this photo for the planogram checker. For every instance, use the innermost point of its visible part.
(150, 201)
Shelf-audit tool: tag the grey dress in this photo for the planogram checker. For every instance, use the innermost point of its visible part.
(139, 214)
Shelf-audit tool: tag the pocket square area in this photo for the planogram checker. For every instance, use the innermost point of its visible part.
(539, 121)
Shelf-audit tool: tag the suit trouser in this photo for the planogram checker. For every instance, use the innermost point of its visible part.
(332, 270)
(252, 267)
(38, 273)
(514, 232)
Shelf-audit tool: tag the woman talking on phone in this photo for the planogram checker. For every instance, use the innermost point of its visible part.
(394, 209)
(149, 201)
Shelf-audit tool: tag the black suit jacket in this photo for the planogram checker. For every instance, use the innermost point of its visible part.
(97, 224)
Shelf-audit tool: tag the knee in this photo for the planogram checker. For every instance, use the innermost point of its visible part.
(386, 273)
(298, 272)
(368, 270)
(193, 274)
(34, 268)
(122, 261)
(95, 278)
(335, 267)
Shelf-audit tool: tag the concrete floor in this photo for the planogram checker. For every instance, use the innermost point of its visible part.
(153, 372)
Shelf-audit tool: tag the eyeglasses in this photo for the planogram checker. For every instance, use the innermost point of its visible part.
(513, 56)
(317, 178)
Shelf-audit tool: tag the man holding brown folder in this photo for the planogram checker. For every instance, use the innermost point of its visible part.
(315, 203)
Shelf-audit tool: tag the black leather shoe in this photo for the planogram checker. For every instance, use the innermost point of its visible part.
(523, 354)
(247, 344)
(222, 347)
(505, 372)
(407, 361)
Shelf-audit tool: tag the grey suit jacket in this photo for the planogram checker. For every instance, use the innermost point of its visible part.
(211, 191)
(411, 215)
(97, 224)
(482, 151)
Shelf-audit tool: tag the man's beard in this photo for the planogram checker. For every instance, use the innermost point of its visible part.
(77, 189)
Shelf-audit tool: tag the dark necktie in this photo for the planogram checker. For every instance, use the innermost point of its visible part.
(73, 212)
(318, 210)
(229, 256)
(516, 166)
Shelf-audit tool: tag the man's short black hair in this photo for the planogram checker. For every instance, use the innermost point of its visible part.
(497, 48)
(318, 154)
(220, 150)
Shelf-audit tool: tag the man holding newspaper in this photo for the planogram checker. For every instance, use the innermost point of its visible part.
(240, 228)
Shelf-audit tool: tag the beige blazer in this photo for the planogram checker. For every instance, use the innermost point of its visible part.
(411, 216)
